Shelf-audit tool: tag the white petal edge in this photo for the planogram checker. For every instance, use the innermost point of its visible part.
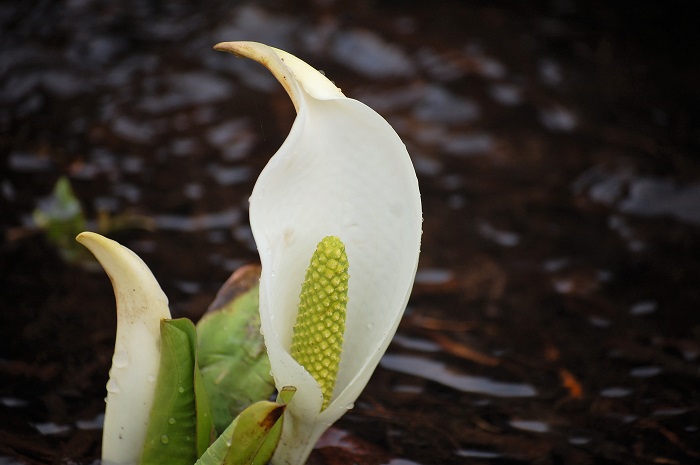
(342, 171)
(141, 305)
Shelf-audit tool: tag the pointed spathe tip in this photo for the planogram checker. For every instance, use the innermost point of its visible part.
(141, 305)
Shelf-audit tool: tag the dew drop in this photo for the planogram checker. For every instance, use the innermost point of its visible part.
(164, 439)
(181, 389)
(112, 386)
(228, 443)
(171, 420)
(151, 378)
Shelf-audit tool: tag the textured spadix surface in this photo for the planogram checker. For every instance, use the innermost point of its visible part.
(318, 333)
(342, 171)
(141, 305)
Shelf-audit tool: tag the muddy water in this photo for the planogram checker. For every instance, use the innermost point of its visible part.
(555, 314)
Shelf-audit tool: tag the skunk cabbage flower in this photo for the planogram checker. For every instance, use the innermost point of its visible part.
(141, 305)
(342, 172)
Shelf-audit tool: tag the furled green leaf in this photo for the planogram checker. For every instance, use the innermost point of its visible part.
(250, 439)
(268, 446)
(231, 352)
(180, 423)
(256, 434)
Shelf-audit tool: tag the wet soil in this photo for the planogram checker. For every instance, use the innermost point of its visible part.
(555, 314)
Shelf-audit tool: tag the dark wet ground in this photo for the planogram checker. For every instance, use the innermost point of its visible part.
(555, 319)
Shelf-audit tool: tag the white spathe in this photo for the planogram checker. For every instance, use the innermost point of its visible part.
(342, 171)
(141, 305)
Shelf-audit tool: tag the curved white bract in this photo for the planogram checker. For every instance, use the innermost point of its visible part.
(343, 171)
(141, 305)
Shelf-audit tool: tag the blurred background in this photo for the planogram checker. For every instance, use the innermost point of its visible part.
(555, 315)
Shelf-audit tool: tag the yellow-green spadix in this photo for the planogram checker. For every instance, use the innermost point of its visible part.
(318, 333)
(343, 172)
(141, 305)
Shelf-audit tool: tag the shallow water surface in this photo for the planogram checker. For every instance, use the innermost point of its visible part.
(555, 313)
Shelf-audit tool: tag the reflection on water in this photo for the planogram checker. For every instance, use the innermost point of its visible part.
(433, 276)
(504, 238)
(530, 425)
(366, 53)
(92, 424)
(642, 195)
(615, 392)
(13, 402)
(402, 462)
(656, 197)
(579, 440)
(51, 428)
(222, 220)
(477, 454)
(645, 371)
(29, 162)
(440, 373)
(558, 118)
(9, 461)
(422, 345)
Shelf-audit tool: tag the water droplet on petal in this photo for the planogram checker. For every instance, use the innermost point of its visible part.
(164, 439)
(112, 386)
(181, 389)
(151, 378)
(171, 420)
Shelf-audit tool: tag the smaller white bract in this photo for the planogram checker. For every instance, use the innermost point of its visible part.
(343, 171)
(141, 305)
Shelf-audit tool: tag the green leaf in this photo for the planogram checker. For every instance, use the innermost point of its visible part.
(61, 218)
(180, 424)
(206, 431)
(267, 448)
(231, 353)
(250, 439)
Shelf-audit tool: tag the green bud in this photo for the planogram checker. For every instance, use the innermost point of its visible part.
(318, 333)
